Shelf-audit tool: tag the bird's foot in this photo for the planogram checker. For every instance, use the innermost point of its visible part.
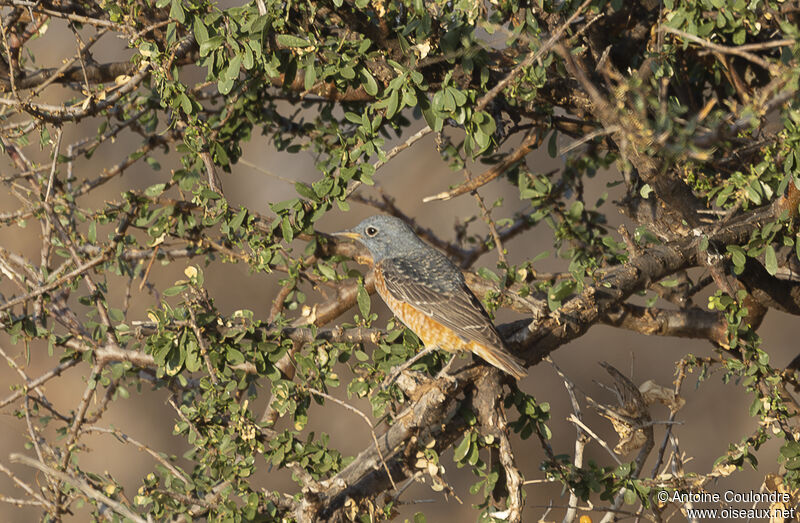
(400, 368)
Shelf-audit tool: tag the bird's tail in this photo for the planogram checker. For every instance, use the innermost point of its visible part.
(500, 358)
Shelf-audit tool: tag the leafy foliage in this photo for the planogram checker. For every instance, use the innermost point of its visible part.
(687, 111)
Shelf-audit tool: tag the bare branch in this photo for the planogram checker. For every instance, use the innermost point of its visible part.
(531, 141)
(741, 51)
(81, 485)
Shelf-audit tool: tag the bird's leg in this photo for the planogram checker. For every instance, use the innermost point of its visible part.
(445, 372)
(400, 368)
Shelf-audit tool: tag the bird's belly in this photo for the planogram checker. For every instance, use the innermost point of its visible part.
(431, 332)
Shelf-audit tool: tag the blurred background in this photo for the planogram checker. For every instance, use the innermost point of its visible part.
(715, 413)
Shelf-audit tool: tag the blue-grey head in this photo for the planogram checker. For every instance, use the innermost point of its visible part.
(385, 237)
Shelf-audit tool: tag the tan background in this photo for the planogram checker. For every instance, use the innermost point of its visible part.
(715, 414)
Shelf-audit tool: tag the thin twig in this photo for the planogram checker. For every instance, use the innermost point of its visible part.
(414, 138)
(487, 219)
(55, 161)
(203, 347)
(27, 488)
(37, 8)
(531, 140)
(80, 413)
(20, 502)
(149, 266)
(156, 455)
(598, 439)
(211, 173)
(405, 365)
(580, 441)
(57, 283)
(611, 129)
(530, 59)
(736, 51)
(668, 432)
(366, 420)
(507, 460)
(81, 485)
(55, 75)
(52, 373)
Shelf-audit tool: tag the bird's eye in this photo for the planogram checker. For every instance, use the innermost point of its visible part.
(371, 231)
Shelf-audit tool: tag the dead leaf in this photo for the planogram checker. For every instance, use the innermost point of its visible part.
(652, 392)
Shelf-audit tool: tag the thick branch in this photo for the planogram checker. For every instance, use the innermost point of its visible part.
(95, 74)
(691, 323)
(575, 317)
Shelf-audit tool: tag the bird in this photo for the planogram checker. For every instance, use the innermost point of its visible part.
(428, 293)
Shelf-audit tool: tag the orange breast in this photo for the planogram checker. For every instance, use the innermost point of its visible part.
(431, 332)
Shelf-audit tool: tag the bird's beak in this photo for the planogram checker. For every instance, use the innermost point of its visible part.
(348, 234)
(359, 256)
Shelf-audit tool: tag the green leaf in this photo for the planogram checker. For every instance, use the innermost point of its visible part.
(755, 407)
(326, 270)
(286, 229)
(186, 104)
(369, 83)
(234, 357)
(176, 11)
(353, 117)
(363, 301)
(486, 274)
(292, 41)
(234, 67)
(238, 219)
(559, 291)
(152, 162)
(770, 260)
(224, 84)
(213, 43)
(310, 78)
(462, 449)
(429, 114)
(304, 190)
(192, 362)
(552, 145)
(738, 257)
(174, 291)
(174, 360)
(200, 30)
(155, 190)
(391, 104)
(458, 96)
(474, 455)
(790, 450)
(323, 187)
(115, 315)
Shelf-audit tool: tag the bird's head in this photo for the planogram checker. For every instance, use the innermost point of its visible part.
(384, 236)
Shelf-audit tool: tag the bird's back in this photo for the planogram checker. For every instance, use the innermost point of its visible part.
(429, 294)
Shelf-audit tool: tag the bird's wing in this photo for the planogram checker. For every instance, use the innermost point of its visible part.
(436, 288)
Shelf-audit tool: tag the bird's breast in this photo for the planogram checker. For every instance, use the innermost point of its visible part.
(431, 332)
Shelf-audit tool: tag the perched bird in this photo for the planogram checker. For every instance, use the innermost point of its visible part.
(428, 293)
